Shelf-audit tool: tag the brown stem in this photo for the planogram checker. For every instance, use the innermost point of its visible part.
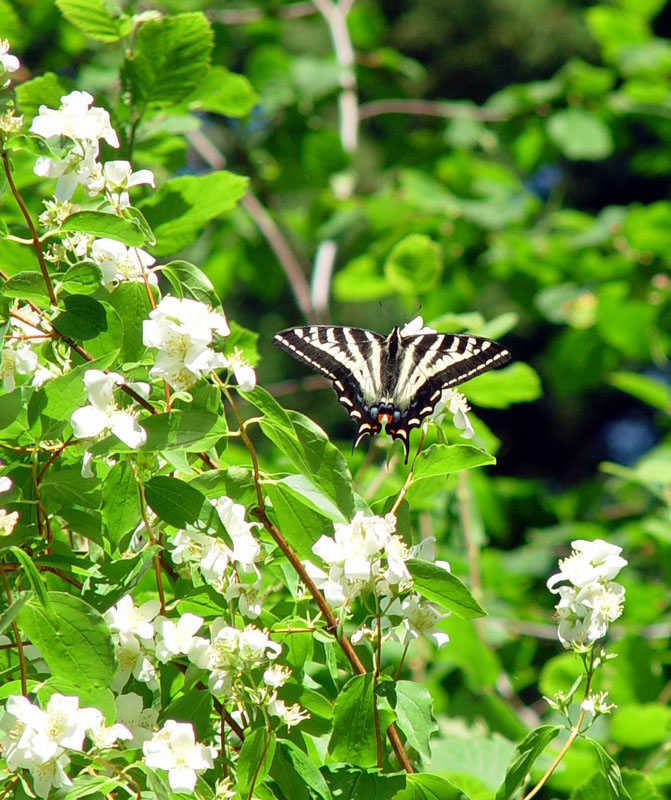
(17, 635)
(37, 245)
(318, 597)
(408, 478)
(429, 108)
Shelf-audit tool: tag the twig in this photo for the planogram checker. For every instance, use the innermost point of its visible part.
(37, 244)
(335, 15)
(408, 478)
(429, 108)
(322, 271)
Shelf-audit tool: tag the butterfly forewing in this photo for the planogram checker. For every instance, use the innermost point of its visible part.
(395, 380)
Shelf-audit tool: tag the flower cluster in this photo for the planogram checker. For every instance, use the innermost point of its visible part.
(8, 64)
(365, 554)
(102, 413)
(215, 558)
(133, 636)
(174, 748)
(591, 600)
(183, 331)
(38, 739)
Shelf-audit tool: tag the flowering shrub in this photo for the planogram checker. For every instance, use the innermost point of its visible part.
(201, 597)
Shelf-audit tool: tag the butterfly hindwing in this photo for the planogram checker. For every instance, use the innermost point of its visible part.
(397, 380)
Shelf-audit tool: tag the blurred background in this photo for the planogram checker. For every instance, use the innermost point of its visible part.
(497, 167)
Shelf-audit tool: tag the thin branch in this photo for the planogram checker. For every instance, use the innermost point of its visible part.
(430, 108)
(37, 244)
(335, 15)
(322, 271)
(243, 16)
(409, 477)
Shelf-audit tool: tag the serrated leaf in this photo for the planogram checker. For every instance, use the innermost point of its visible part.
(523, 758)
(100, 223)
(98, 19)
(413, 707)
(170, 57)
(180, 208)
(46, 89)
(440, 586)
(353, 739)
(74, 641)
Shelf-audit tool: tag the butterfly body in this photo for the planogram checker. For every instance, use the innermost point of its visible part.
(395, 381)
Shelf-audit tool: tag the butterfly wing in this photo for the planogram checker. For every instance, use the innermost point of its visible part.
(350, 357)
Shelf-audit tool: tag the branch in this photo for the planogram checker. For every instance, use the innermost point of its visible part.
(430, 108)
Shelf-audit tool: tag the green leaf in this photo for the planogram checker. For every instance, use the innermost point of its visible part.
(4, 316)
(649, 390)
(131, 302)
(121, 501)
(34, 578)
(518, 383)
(256, 757)
(300, 525)
(189, 281)
(84, 318)
(525, 755)
(174, 501)
(170, 57)
(82, 278)
(351, 783)
(10, 613)
(610, 771)
(99, 19)
(353, 738)
(440, 586)
(425, 786)
(85, 523)
(413, 707)
(639, 786)
(27, 286)
(46, 89)
(224, 92)
(641, 725)
(443, 459)
(360, 280)
(194, 706)
(293, 771)
(180, 208)
(414, 265)
(580, 134)
(74, 642)
(110, 226)
(189, 430)
(309, 495)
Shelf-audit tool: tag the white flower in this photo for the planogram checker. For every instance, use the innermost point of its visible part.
(589, 562)
(243, 371)
(16, 361)
(104, 736)
(139, 721)
(232, 515)
(584, 614)
(5, 483)
(415, 327)
(102, 413)
(8, 63)
(290, 715)
(597, 704)
(457, 405)
(129, 620)
(8, 521)
(276, 676)
(133, 659)
(177, 638)
(80, 165)
(419, 617)
(50, 773)
(174, 748)
(182, 330)
(75, 120)
(120, 263)
(119, 177)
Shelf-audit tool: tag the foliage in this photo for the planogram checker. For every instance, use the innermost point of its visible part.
(180, 606)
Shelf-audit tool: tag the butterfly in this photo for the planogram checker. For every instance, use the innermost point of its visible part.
(395, 380)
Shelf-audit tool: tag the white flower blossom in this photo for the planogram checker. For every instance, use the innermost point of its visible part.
(589, 562)
(20, 360)
(174, 749)
(182, 330)
(597, 704)
(8, 63)
(133, 659)
(6, 483)
(177, 638)
(127, 619)
(457, 405)
(119, 177)
(139, 721)
(290, 715)
(246, 549)
(244, 372)
(8, 520)
(102, 413)
(418, 617)
(120, 263)
(104, 736)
